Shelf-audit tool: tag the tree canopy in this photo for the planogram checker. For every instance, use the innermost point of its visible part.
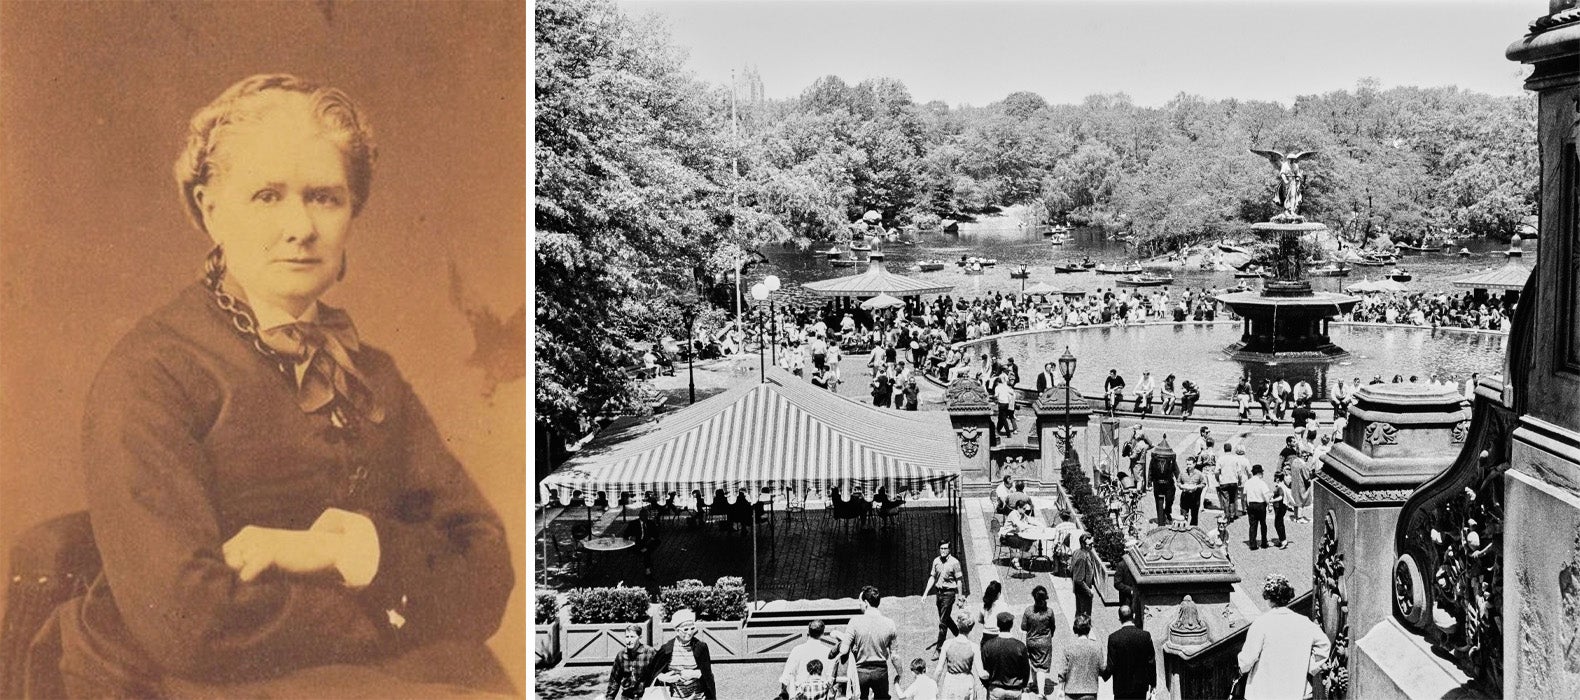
(652, 186)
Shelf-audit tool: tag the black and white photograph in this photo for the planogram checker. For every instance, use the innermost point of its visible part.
(262, 371)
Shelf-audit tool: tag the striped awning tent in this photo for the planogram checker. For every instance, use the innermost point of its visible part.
(781, 433)
(1511, 276)
(876, 280)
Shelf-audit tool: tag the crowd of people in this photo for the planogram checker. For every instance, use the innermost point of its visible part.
(1438, 310)
(1205, 475)
(1013, 657)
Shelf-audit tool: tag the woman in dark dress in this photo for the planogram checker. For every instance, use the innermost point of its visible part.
(1037, 623)
(276, 513)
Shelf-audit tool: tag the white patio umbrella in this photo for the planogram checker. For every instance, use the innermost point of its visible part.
(1042, 288)
(1390, 286)
(1366, 286)
(882, 301)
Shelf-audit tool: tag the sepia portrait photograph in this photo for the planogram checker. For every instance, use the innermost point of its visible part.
(262, 349)
(1044, 349)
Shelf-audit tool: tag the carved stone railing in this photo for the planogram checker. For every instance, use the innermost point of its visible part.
(1211, 671)
(1448, 577)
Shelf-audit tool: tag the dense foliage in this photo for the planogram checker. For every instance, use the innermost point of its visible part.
(651, 187)
(545, 607)
(1108, 542)
(1405, 161)
(724, 600)
(608, 605)
(630, 208)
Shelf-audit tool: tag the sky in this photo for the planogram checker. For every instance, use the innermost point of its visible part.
(978, 52)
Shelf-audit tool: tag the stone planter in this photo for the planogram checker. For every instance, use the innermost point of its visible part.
(598, 644)
(1106, 590)
(546, 644)
(726, 640)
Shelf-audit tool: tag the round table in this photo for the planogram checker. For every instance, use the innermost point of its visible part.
(598, 546)
(607, 544)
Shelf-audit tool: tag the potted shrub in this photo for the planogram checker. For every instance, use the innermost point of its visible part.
(598, 617)
(546, 628)
(721, 613)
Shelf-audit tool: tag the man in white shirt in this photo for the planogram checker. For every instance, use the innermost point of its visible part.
(1146, 391)
(1257, 494)
(1004, 394)
(1002, 494)
(795, 672)
(1231, 475)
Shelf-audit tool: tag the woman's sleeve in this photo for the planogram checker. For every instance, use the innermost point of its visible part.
(1252, 651)
(444, 567)
(159, 537)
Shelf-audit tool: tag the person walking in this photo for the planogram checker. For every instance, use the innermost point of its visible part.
(992, 604)
(1282, 648)
(1131, 661)
(1300, 472)
(1082, 670)
(882, 389)
(1004, 396)
(922, 686)
(1190, 485)
(684, 663)
(1281, 499)
(1231, 476)
(797, 671)
(959, 662)
(868, 639)
(1162, 480)
(1085, 570)
(944, 578)
(632, 670)
(1257, 495)
(1037, 623)
(1006, 668)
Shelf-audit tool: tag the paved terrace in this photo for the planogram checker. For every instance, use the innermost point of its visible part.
(915, 615)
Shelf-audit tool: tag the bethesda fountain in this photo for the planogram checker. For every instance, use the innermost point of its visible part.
(1286, 321)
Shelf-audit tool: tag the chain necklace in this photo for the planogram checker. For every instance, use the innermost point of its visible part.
(245, 324)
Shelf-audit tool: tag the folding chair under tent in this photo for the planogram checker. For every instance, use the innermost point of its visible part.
(781, 433)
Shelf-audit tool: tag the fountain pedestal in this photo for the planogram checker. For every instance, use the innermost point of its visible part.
(1287, 321)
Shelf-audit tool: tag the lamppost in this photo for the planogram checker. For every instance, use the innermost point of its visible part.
(688, 311)
(1067, 370)
(771, 282)
(760, 293)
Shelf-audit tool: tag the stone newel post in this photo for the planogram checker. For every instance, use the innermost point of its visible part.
(971, 416)
(1052, 415)
(1398, 436)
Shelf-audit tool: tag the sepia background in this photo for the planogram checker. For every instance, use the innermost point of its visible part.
(94, 101)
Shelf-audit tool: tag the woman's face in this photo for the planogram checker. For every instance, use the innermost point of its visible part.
(280, 206)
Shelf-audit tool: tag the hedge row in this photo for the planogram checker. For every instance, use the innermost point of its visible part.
(724, 600)
(1106, 538)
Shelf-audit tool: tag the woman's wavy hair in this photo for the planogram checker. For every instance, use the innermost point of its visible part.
(252, 99)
